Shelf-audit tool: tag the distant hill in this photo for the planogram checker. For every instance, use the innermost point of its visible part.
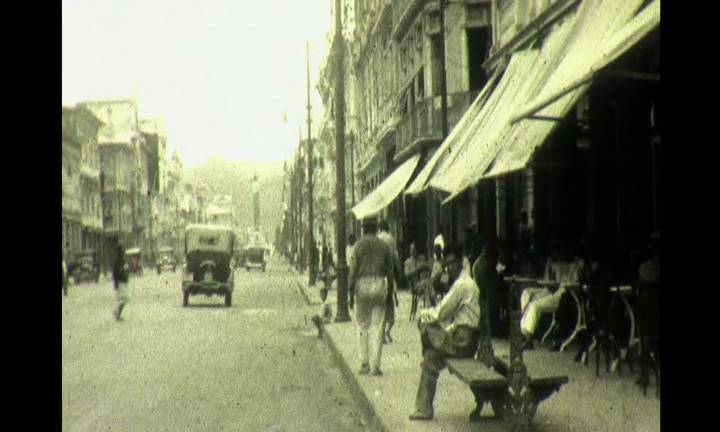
(219, 176)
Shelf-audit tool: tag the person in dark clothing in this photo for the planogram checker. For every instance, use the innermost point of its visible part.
(438, 276)
(64, 279)
(120, 282)
(493, 289)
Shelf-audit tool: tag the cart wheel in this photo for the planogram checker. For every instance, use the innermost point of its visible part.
(185, 299)
(228, 299)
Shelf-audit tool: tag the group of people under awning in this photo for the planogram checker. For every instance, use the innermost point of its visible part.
(451, 288)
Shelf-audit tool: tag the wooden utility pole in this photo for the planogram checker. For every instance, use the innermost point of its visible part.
(256, 203)
(352, 176)
(340, 230)
(293, 222)
(103, 264)
(301, 179)
(310, 237)
(444, 107)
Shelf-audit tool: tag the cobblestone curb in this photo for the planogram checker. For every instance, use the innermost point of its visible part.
(373, 422)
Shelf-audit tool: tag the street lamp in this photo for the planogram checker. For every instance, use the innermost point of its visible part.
(311, 239)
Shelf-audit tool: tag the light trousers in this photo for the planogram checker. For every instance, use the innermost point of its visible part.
(370, 306)
(539, 302)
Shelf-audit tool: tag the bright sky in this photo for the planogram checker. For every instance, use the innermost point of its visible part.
(222, 73)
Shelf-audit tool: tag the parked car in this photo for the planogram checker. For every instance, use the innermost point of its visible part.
(239, 257)
(208, 255)
(133, 259)
(166, 260)
(255, 258)
(85, 268)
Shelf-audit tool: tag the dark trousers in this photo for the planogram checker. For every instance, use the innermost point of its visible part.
(439, 345)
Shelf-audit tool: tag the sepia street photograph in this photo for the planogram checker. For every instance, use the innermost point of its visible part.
(361, 215)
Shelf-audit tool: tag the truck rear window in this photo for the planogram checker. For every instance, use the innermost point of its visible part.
(208, 240)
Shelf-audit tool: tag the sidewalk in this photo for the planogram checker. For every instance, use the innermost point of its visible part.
(587, 403)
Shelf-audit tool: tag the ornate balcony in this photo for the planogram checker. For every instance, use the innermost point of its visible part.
(517, 22)
(403, 13)
(424, 124)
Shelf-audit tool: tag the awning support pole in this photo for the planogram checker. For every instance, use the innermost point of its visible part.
(644, 76)
(546, 118)
(562, 92)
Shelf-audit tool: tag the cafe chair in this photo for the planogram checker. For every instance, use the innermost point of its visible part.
(600, 338)
(623, 329)
(580, 324)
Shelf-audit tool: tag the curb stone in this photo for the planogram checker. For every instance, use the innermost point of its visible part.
(372, 420)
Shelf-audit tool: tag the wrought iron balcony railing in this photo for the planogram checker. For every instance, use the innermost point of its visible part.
(425, 121)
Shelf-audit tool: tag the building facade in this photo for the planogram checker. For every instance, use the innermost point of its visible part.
(566, 133)
(123, 164)
(91, 198)
(81, 198)
(71, 185)
(594, 177)
(398, 66)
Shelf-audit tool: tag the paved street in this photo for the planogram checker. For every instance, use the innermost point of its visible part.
(257, 366)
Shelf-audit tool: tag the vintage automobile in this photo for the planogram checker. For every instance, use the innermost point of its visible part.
(208, 254)
(255, 258)
(166, 259)
(85, 267)
(133, 259)
(239, 257)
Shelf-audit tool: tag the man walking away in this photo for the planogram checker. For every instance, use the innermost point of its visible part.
(371, 278)
(120, 282)
(64, 278)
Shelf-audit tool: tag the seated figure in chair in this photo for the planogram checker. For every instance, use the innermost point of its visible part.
(538, 301)
(449, 330)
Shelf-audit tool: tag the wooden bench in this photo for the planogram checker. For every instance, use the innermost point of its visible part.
(488, 384)
(513, 393)
(517, 403)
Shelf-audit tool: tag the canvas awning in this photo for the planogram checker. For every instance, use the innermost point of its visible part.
(583, 66)
(387, 191)
(599, 32)
(457, 136)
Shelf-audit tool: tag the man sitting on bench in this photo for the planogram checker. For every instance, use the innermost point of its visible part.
(449, 330)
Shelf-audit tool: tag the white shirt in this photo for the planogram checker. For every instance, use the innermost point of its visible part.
(459, 306)
(439, 240)
(349, 254)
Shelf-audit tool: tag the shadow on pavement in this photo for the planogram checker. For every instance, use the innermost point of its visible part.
(204, 306)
